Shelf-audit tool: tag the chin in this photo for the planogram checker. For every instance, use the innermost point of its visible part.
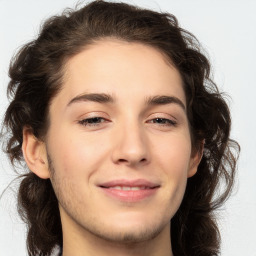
(130, 230)
(129, 236)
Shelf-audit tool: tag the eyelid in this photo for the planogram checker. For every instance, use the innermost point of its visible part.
(84, 120)
(93, 114)
(162, 115)
(162, 121)
(167, 121)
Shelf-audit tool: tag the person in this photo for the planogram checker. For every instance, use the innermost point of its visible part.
(125, 136)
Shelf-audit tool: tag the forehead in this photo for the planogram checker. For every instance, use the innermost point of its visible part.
(122, 69)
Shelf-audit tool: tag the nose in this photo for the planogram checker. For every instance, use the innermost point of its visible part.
(131, 147)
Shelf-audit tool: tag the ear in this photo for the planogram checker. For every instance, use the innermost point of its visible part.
(195, 159)
(34, 152)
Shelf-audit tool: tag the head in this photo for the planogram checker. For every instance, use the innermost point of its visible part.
(112, 90)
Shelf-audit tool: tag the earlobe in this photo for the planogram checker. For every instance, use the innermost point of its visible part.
(34, 152)
(195, 160)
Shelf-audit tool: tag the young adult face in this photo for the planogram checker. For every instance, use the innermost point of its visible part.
(119, 147)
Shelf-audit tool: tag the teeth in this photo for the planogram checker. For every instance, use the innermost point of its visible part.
(117, 187)
(127, 188)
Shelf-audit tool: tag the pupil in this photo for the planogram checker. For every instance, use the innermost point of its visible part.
(94, 120)
(159, 120)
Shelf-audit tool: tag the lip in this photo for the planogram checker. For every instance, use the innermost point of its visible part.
(129, 183)
(148, 189)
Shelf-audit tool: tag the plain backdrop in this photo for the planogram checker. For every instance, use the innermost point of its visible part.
(227, 30)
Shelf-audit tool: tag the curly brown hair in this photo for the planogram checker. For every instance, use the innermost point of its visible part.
(36, 77)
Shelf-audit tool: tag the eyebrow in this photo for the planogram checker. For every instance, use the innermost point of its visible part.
(94, 97)
(164, 100)
(107, 98)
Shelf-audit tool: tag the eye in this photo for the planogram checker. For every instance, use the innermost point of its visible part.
(163, 121)
(93, 121)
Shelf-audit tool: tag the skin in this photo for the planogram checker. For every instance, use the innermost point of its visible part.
(129, 139)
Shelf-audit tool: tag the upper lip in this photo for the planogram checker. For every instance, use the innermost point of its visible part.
(129, 183)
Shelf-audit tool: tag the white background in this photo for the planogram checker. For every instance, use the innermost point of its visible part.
(227, 30)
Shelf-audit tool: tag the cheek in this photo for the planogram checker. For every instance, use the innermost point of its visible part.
(174, 154)
(173, 159)
(76, 154)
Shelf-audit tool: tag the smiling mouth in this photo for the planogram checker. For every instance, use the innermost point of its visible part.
(129, 191)
(126, 188)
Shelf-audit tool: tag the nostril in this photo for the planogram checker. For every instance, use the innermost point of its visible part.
(122, 160)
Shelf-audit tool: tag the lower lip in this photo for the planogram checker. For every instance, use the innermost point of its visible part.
(130, 195)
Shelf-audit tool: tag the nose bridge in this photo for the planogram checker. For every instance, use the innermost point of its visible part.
(131, 145)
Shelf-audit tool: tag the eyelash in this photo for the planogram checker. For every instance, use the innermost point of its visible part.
(92, 121)
(96, 121)
(166, 122)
